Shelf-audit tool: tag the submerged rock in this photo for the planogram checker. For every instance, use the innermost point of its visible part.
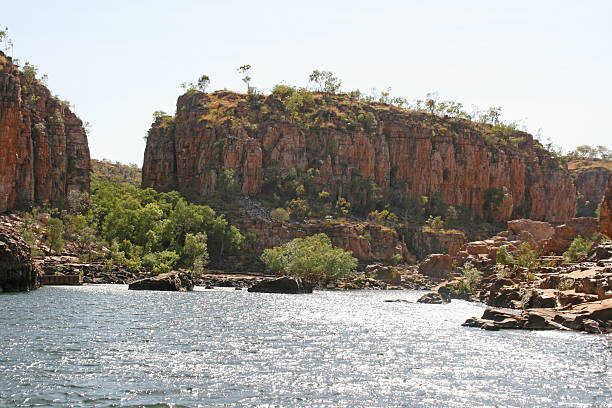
(171, 281)
(17, 270)
(434, 298)
(282, 285)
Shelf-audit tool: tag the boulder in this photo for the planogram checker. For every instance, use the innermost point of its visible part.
(171, 281)
(17, 270)
(282, 285)
(434, 298)
(436, 266)
(387, 274)
(537, 229)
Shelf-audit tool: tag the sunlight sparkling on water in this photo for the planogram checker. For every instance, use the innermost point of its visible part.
(107, 346)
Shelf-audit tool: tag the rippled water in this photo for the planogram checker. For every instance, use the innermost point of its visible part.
(107, 346)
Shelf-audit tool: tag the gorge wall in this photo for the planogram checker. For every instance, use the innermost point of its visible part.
(43, 146)
(591, 182)
(605, 219)
(338, 143)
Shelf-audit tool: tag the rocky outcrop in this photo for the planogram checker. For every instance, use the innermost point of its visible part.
(17, 270)
(463, 163)
(422, 241)
(435, 298)
(592, 317)
(591, 185)
(437, 266)
(282, 285)
(44, 153)
(366, 241)
(605, 217)
(171, 281)
(387, 274)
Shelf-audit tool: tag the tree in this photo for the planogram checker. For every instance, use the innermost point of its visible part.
(312, 258)
(54, 234)
(195, 251)
(203, 83)
(244, 71)
(325, 81)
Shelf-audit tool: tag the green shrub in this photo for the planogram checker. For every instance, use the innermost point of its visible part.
(469, 279)
(160, 262)
(279, 215)
(524, 256)
(577, 248)
(312, 258)
(503, 257)
(55, 229)
(395, 259)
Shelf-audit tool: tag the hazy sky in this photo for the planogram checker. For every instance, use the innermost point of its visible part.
(547, 63)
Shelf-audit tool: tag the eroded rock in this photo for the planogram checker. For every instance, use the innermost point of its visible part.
(282, 285)
(171, 281)
(17, 270)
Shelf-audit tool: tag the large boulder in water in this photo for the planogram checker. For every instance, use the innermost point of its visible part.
(171, 281)
(282, 285)
(434, 298)
(17, 271)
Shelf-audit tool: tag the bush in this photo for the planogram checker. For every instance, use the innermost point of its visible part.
(54, 234)
(312, 258)
(470, 278)
(279, 215)
(524, 256)
(160, 262)
(436, 223)
(577, 248)
(503, 257)
(395, 259)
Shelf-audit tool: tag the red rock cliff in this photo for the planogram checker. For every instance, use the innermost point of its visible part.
(590, 184)
(43, 146)
(605, 219)
(411, 151)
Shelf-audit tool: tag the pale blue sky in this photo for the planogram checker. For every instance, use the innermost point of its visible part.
(547, 63)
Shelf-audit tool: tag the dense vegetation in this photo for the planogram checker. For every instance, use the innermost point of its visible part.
(137, 228)
(312, 258)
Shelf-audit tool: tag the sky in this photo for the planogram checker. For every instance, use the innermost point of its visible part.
(548, 64)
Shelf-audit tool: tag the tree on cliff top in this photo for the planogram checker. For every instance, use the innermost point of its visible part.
(325, 81)
(245, 70)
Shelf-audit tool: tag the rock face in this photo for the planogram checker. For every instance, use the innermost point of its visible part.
(383, 242)
(44, 153)
(591, 185)
(462, 163)
(171, 281)
(436, 266)
(282, 285)
(17, 271)
(605, 217)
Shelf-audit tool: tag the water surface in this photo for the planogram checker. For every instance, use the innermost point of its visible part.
(105, 346)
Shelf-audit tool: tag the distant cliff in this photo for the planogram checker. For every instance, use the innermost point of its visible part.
(591, 179)
(344, 146)
(43, 145)
(605, 218)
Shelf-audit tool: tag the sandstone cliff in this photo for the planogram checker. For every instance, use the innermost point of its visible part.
(590, 181)
(44, 153)
(605, 219)
(350, 144)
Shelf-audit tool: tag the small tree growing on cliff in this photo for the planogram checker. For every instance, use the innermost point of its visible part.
(244, 71)
(203, 83)
(325, 81)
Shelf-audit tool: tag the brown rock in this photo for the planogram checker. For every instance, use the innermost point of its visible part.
(17, 270)
(605, 215)
(282, 285)
(591, 185)
(421, 154)
(564, 234)
(434, 298)
(436, 266)
(387, 274)
(44, 153)
(538, 230)
(171, 281)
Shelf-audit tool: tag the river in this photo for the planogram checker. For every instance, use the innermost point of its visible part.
(102, 345)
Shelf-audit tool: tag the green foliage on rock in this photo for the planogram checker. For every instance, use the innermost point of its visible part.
(312, 258)
(577, 248)
(469, 279)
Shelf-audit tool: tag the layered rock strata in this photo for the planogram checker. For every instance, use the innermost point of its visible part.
(43, 146)
(605, 217)
(17, 270)
(463, 163)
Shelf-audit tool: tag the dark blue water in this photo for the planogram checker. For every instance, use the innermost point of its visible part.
(107, 346)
